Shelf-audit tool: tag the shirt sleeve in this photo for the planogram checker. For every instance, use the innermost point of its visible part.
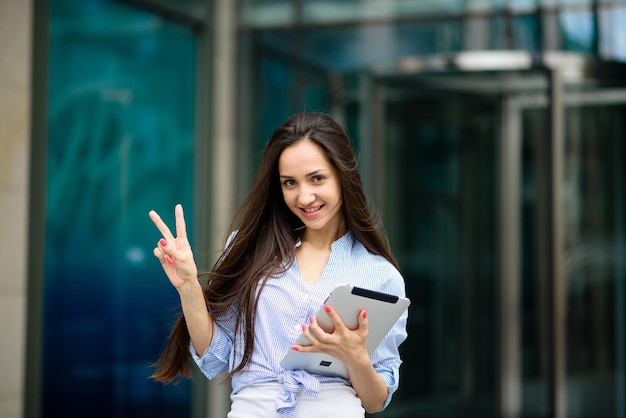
(216, 358)
(386, 358)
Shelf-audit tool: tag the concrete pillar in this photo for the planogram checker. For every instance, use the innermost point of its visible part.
(15, 52)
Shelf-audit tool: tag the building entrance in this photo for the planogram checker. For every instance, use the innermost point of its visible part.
(502, 194)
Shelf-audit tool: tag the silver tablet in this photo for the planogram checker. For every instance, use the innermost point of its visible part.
(383, 310)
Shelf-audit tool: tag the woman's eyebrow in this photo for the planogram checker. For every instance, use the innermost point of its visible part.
(312, 173)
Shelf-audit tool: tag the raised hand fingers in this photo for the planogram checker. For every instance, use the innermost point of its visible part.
(162, 256)
(181, 229)
(161, 226)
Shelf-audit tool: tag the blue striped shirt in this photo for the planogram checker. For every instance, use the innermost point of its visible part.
(285, 304)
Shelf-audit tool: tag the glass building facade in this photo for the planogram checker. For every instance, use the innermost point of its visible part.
(490, 135)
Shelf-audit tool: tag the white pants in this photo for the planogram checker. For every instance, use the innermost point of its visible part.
(335, 400)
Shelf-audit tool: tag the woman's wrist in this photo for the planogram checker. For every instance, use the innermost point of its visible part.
(190, 288)
(358, 362)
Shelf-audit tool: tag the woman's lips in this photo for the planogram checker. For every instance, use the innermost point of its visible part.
(311, 212)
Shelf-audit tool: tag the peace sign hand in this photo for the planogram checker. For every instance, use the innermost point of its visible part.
(175, 252)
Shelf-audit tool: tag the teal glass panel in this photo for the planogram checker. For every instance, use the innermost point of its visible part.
(360, 10)
(578, 30)
(498, 31)
(120, 142)
(264, 13)
(613, 33)
(526, 33)
(523, 4)
(316, 11)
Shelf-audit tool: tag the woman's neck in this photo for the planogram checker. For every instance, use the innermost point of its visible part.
(323, 238)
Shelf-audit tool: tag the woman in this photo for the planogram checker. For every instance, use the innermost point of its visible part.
(304, 228)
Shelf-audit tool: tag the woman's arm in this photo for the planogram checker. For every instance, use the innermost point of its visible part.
(178, 263)
(199, 323)
(370, 387)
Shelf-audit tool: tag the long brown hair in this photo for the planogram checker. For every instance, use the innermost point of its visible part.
(267, 232)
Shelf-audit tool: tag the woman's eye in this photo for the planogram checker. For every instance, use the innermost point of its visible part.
(289, 183)
(317, 179)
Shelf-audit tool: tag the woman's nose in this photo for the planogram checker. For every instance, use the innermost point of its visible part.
(306, 196)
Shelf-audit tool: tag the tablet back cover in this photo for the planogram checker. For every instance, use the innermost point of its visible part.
(383, 310)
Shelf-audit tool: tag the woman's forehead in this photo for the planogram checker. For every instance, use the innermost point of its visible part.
(303, 158)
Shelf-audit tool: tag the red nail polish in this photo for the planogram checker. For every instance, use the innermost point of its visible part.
(364, 314)
(327, 308)
(169, 260)
(294, 348)
(163, 242)
(303, 327)
(311, 319)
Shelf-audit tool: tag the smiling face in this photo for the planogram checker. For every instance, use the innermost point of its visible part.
(310, 186)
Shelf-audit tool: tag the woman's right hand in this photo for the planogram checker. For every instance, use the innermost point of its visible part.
(175, 252)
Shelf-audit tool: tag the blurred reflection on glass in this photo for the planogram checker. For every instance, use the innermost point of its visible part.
(120, 143)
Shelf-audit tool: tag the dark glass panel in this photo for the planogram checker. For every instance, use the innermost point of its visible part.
(526, 35)
(535, 255)
(439, 213)
(593, 210)
(593, 186)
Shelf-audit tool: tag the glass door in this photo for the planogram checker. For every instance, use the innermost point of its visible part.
(438, 200)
